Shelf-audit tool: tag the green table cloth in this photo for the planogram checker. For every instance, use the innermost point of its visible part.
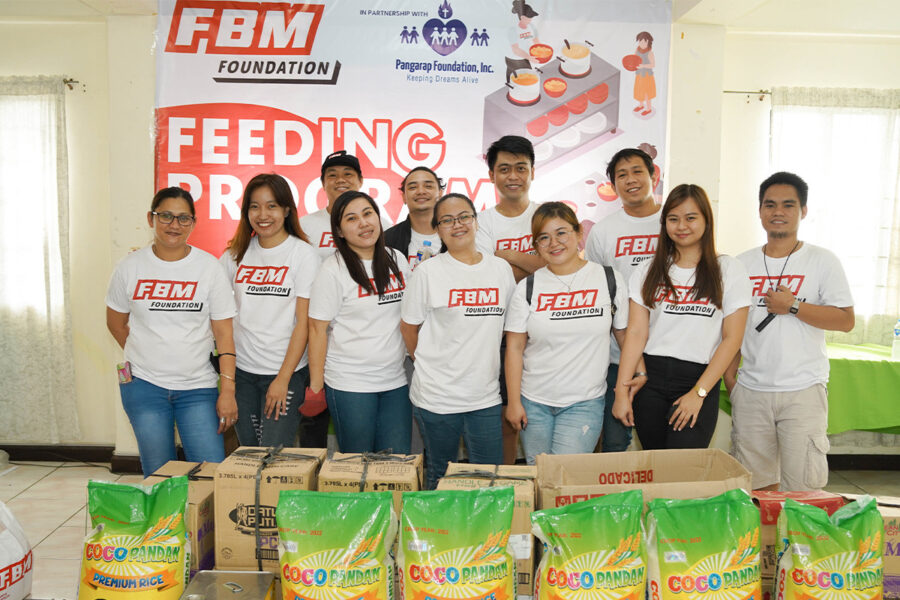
(863, 389)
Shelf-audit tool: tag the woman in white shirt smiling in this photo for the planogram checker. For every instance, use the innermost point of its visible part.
(688, 310)
(166, 304)
(557, 341)
(356, 351)
(271, 268)
(453, 315)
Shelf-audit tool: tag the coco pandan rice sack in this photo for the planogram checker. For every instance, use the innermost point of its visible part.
(592, 550)
(704, 548)
(834, 558)
(453, 544)
(336, 545)
(138, 548)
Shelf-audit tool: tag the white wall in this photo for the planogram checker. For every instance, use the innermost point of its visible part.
(754, 61)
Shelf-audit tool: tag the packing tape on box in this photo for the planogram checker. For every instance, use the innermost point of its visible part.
(493, 476)
(266, 457)
(368, 458)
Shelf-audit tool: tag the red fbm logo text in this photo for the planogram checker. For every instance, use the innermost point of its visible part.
(160, 289)
(762, 284)
(261, 275)
(474, 297)
(635, 245)
(327, 240)
(566, 300)
(522, 244)
(256, 28)
(395, 285)
(681, 294)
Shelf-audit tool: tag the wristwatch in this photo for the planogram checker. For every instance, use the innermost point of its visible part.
(795, 306)
(702, 392)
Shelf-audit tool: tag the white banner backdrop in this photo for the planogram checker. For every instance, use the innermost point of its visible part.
(250, 87)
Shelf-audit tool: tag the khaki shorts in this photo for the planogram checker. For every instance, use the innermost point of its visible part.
(780, 436)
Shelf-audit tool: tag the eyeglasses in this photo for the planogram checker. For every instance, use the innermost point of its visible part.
(561, 236)
(465, 220)
(166, 218)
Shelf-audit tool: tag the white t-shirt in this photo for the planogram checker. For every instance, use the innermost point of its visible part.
(461, 309)
(266, 286)
(789, 355)
(415, 242)
(365, 348)
(523, 38)
(317, 227)
(564, 360)
(622, 242)
(496, 232)
(691, 329)
(169, 306)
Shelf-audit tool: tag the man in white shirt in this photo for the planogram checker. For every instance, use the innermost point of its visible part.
(421, 189)
(624, 240)
(779, 399)
(505, 231)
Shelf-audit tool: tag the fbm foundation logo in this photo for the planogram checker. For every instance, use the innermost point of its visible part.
(478, 302)
(762, 285)
(681, 301)
(278, 31)
(640, 247)
(168, 295)
(570, 305)
(263, 281)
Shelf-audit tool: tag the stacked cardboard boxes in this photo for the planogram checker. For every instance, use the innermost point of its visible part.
(395, 473)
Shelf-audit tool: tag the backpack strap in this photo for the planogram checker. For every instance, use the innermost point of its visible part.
(529, 288)
(611, 284)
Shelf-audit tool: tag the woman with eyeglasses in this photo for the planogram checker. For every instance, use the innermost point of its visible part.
(271, 268)
(167, 304)
(688, 310)
(557, 341)
(356, 352)
(453, 314)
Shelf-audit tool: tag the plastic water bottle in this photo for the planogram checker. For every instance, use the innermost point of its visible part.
(895, 346)
(424, 253)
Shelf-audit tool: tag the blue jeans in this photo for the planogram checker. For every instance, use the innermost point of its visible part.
(154, 412)
(253, 427)
(571, 429)
(369, 422)
(616, 436)
(479, 428)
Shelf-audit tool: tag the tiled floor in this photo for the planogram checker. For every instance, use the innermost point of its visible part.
(48, 499)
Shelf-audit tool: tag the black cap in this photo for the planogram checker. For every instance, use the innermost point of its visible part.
(341, 159)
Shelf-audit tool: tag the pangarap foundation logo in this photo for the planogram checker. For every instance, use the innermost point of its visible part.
(253, 42)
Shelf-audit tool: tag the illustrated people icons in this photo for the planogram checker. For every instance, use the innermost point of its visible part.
(644, 82)
(479, 39)
(404, 35)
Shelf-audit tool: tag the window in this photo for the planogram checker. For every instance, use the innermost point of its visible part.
(846, 144)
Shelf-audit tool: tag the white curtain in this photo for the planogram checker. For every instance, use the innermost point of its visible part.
(37, 379)
(846, 144)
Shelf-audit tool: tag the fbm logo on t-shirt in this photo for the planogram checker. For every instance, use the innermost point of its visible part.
(327, 240)
(263, 281)
(763, 283)
(639, 247)
(392, 293)
(522, 244)
(479, 302)
(681, 301)
(569, 305)
(168, 295)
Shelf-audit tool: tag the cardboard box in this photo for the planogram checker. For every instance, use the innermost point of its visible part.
(396, 473)
(567, 478)
(236, 510)
(199, 517)
(770, 504)
(522, 478)
(889, 507)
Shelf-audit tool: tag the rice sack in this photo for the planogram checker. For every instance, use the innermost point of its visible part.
(453, 545)
(593, 550)
(336, 545)
(704, 548)
(138, 548)
(836, 557)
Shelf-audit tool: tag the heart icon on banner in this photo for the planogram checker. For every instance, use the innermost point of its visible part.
(444, 37)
